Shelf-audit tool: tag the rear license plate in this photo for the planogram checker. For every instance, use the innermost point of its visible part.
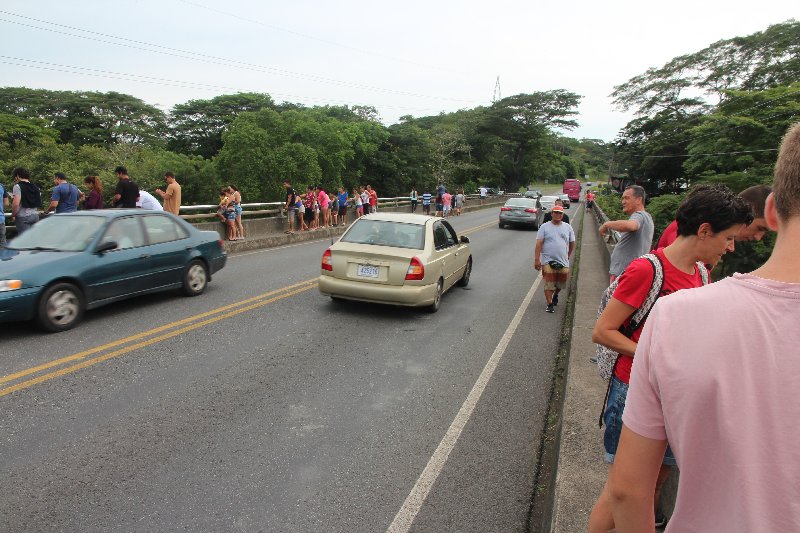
(368, 271)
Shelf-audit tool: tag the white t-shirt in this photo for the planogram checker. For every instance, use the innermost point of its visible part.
(148, 201)
(717, 373)
(483, 191)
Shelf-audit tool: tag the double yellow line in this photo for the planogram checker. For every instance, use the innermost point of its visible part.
(66, 365)
(72, 363)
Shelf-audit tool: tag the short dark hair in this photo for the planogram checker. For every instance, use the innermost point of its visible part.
(715, 204)
(756, 196)
(21, 172)
(637, 191)
(169, 175)
(121, 170)
(60, 175)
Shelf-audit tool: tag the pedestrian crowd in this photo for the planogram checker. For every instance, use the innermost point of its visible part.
(700, 375)
(25, 197)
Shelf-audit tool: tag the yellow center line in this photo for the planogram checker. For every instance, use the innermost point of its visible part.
(148, 342)
(195, 322)
(144, 334)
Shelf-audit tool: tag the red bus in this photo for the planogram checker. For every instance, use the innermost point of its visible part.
(572, 188)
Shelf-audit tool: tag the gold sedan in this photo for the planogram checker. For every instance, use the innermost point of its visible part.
(398, 259)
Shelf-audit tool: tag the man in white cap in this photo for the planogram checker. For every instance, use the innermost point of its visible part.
(555, 243)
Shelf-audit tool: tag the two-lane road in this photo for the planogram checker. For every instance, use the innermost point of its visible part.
(263, 405)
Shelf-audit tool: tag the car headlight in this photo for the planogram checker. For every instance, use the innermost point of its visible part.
(10, 284)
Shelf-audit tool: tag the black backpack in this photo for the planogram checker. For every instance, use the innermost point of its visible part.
(31, 195)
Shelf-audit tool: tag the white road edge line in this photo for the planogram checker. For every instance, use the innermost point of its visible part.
(405, 517)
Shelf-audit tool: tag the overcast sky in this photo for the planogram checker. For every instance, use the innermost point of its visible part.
(412, 58)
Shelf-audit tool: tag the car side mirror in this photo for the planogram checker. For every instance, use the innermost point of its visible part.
(464, 240)
(106, 246)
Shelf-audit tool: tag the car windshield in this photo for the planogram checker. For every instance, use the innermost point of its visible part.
(60, 233)
(520, 202)
(386, 233)
(548, 200)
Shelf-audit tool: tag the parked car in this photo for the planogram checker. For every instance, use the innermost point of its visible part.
(68, 263)
(520, 212)
(564, 200)
(398, 259)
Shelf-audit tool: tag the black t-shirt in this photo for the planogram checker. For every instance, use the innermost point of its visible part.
(30, 196)
(128, 192)
(291, 196)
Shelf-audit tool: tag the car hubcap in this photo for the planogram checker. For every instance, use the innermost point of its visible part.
(197, 277)
(62, 307)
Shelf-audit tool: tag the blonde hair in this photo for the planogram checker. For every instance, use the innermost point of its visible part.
(786, 187)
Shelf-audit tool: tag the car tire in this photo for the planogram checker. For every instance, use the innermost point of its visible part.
(337, 299)
(437, 300)
(195, 278)
(60, 307)
(501, 225)
(535, 226)
(464, 281)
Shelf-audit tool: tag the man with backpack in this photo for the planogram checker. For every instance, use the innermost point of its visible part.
(64, 198)
(27, 200)
(724, 391)
(708, 221)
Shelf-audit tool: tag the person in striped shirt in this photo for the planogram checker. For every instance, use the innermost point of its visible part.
(426, 203)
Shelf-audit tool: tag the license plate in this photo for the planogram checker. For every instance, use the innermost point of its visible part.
(368, 271)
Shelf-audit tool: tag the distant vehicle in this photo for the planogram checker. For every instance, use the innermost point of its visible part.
(533, 193)
(546, 203)
(398, 259)
(572, 188)
(520, 212)
(68, 263)
(564, 200)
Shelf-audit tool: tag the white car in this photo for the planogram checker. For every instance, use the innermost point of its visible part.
(398, 259)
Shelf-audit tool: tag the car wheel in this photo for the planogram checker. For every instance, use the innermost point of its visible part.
(195, 279)
(500, 225)
(464, 281)
(60, 307)
(437, 299)
(337, 299)
(535, 226)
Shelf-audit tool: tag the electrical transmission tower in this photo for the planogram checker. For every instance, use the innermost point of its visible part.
(497, 97)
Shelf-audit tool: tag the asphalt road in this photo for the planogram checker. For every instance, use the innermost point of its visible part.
(264, 406)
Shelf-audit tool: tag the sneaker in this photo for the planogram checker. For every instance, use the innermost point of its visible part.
(550, 308)
(555, 299)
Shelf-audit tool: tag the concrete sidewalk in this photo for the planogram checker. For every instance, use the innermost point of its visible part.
(581, 471)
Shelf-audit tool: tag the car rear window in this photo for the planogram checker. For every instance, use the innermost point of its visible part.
(521, 202)
(386, 233)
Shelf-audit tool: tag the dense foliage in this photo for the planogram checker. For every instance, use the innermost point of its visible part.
(249, 140)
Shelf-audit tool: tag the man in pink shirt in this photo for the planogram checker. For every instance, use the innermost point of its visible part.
(722, 391)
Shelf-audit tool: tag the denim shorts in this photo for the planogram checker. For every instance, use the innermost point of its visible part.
(613, 421)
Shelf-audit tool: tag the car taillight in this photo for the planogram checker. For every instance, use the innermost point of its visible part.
(530, 210)
(505, 209)
(326, 260)
(415, 269)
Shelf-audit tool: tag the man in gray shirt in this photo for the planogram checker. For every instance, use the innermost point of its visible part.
(637, 231)
(555, 242)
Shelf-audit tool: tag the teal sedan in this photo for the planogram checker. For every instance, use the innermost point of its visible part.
(68, 263)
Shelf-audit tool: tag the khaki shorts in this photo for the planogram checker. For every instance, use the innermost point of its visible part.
(554, 279)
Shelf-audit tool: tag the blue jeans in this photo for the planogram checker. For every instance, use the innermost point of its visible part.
(25, 222)
(612, 418)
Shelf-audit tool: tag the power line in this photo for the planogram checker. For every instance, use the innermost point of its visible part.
(98, 73)
(715, 153)
(211, 59)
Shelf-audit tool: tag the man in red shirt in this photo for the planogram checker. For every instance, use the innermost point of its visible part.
(708, 221)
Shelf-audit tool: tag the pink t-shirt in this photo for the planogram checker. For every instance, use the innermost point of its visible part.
(322, 198)
(447, 198)
(717, 373)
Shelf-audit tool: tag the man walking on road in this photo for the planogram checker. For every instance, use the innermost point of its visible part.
(637, 231)
(724, 391)
(555, 243)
